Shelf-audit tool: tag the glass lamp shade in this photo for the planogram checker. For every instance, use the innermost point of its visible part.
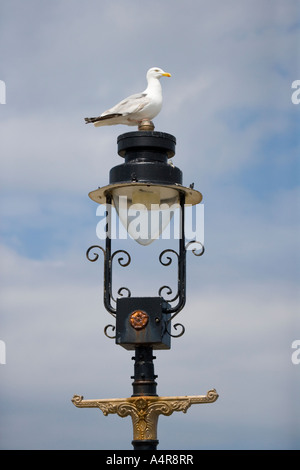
(145, 210)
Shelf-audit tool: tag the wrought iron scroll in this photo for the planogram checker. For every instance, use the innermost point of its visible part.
(123, 258)
(105, 331)
(166, 260)
(96, 256)
(194, 250)
(175, 327)
(122, 262)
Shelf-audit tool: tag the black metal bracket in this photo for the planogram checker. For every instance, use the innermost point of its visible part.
(168, 311)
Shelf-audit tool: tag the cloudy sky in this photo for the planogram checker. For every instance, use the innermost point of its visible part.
(229, 105)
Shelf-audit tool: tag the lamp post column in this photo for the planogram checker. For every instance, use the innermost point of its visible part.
(144, 377)
(144, 385)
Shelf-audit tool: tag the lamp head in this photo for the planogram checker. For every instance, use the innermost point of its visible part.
(146, 189)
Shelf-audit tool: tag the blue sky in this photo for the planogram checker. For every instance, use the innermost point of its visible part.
(229, 105)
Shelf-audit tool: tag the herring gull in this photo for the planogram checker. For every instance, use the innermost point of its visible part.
(138, 109)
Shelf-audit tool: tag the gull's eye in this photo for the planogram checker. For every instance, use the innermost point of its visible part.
(156, 70)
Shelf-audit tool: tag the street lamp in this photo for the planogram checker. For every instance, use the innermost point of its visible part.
(149, 184)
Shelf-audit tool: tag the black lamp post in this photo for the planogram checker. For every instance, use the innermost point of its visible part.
(146, 180)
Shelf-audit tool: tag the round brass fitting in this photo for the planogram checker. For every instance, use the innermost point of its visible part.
(138, 319)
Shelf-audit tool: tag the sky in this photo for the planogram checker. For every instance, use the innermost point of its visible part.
(229, 104)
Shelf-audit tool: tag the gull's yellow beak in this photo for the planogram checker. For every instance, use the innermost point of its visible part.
(166, 74)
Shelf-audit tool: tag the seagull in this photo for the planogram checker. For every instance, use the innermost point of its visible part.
(138, 109)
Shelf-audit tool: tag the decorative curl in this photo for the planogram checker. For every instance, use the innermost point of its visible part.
(120, 293)
(168, 292)
(168, 258)
(121, 259)
(96, 256)
(194, 250)
(113, 329)
(179, 334)
(212, 395)
(77, 399)
(126, 289)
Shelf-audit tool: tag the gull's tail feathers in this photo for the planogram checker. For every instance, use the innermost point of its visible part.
(97, 121)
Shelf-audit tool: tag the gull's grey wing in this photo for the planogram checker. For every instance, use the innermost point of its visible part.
(129, 105)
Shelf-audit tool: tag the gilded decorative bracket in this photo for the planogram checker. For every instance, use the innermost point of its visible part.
(145, 410)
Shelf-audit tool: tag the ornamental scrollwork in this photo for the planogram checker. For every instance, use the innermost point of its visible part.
(95, 255)
(112, 329)
(195, 250)
(175, 327)
(124, 259)
(121, 260)
(144, 411)
(174, 301)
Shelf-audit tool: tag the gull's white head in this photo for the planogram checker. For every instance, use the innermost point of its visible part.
(156, 72)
